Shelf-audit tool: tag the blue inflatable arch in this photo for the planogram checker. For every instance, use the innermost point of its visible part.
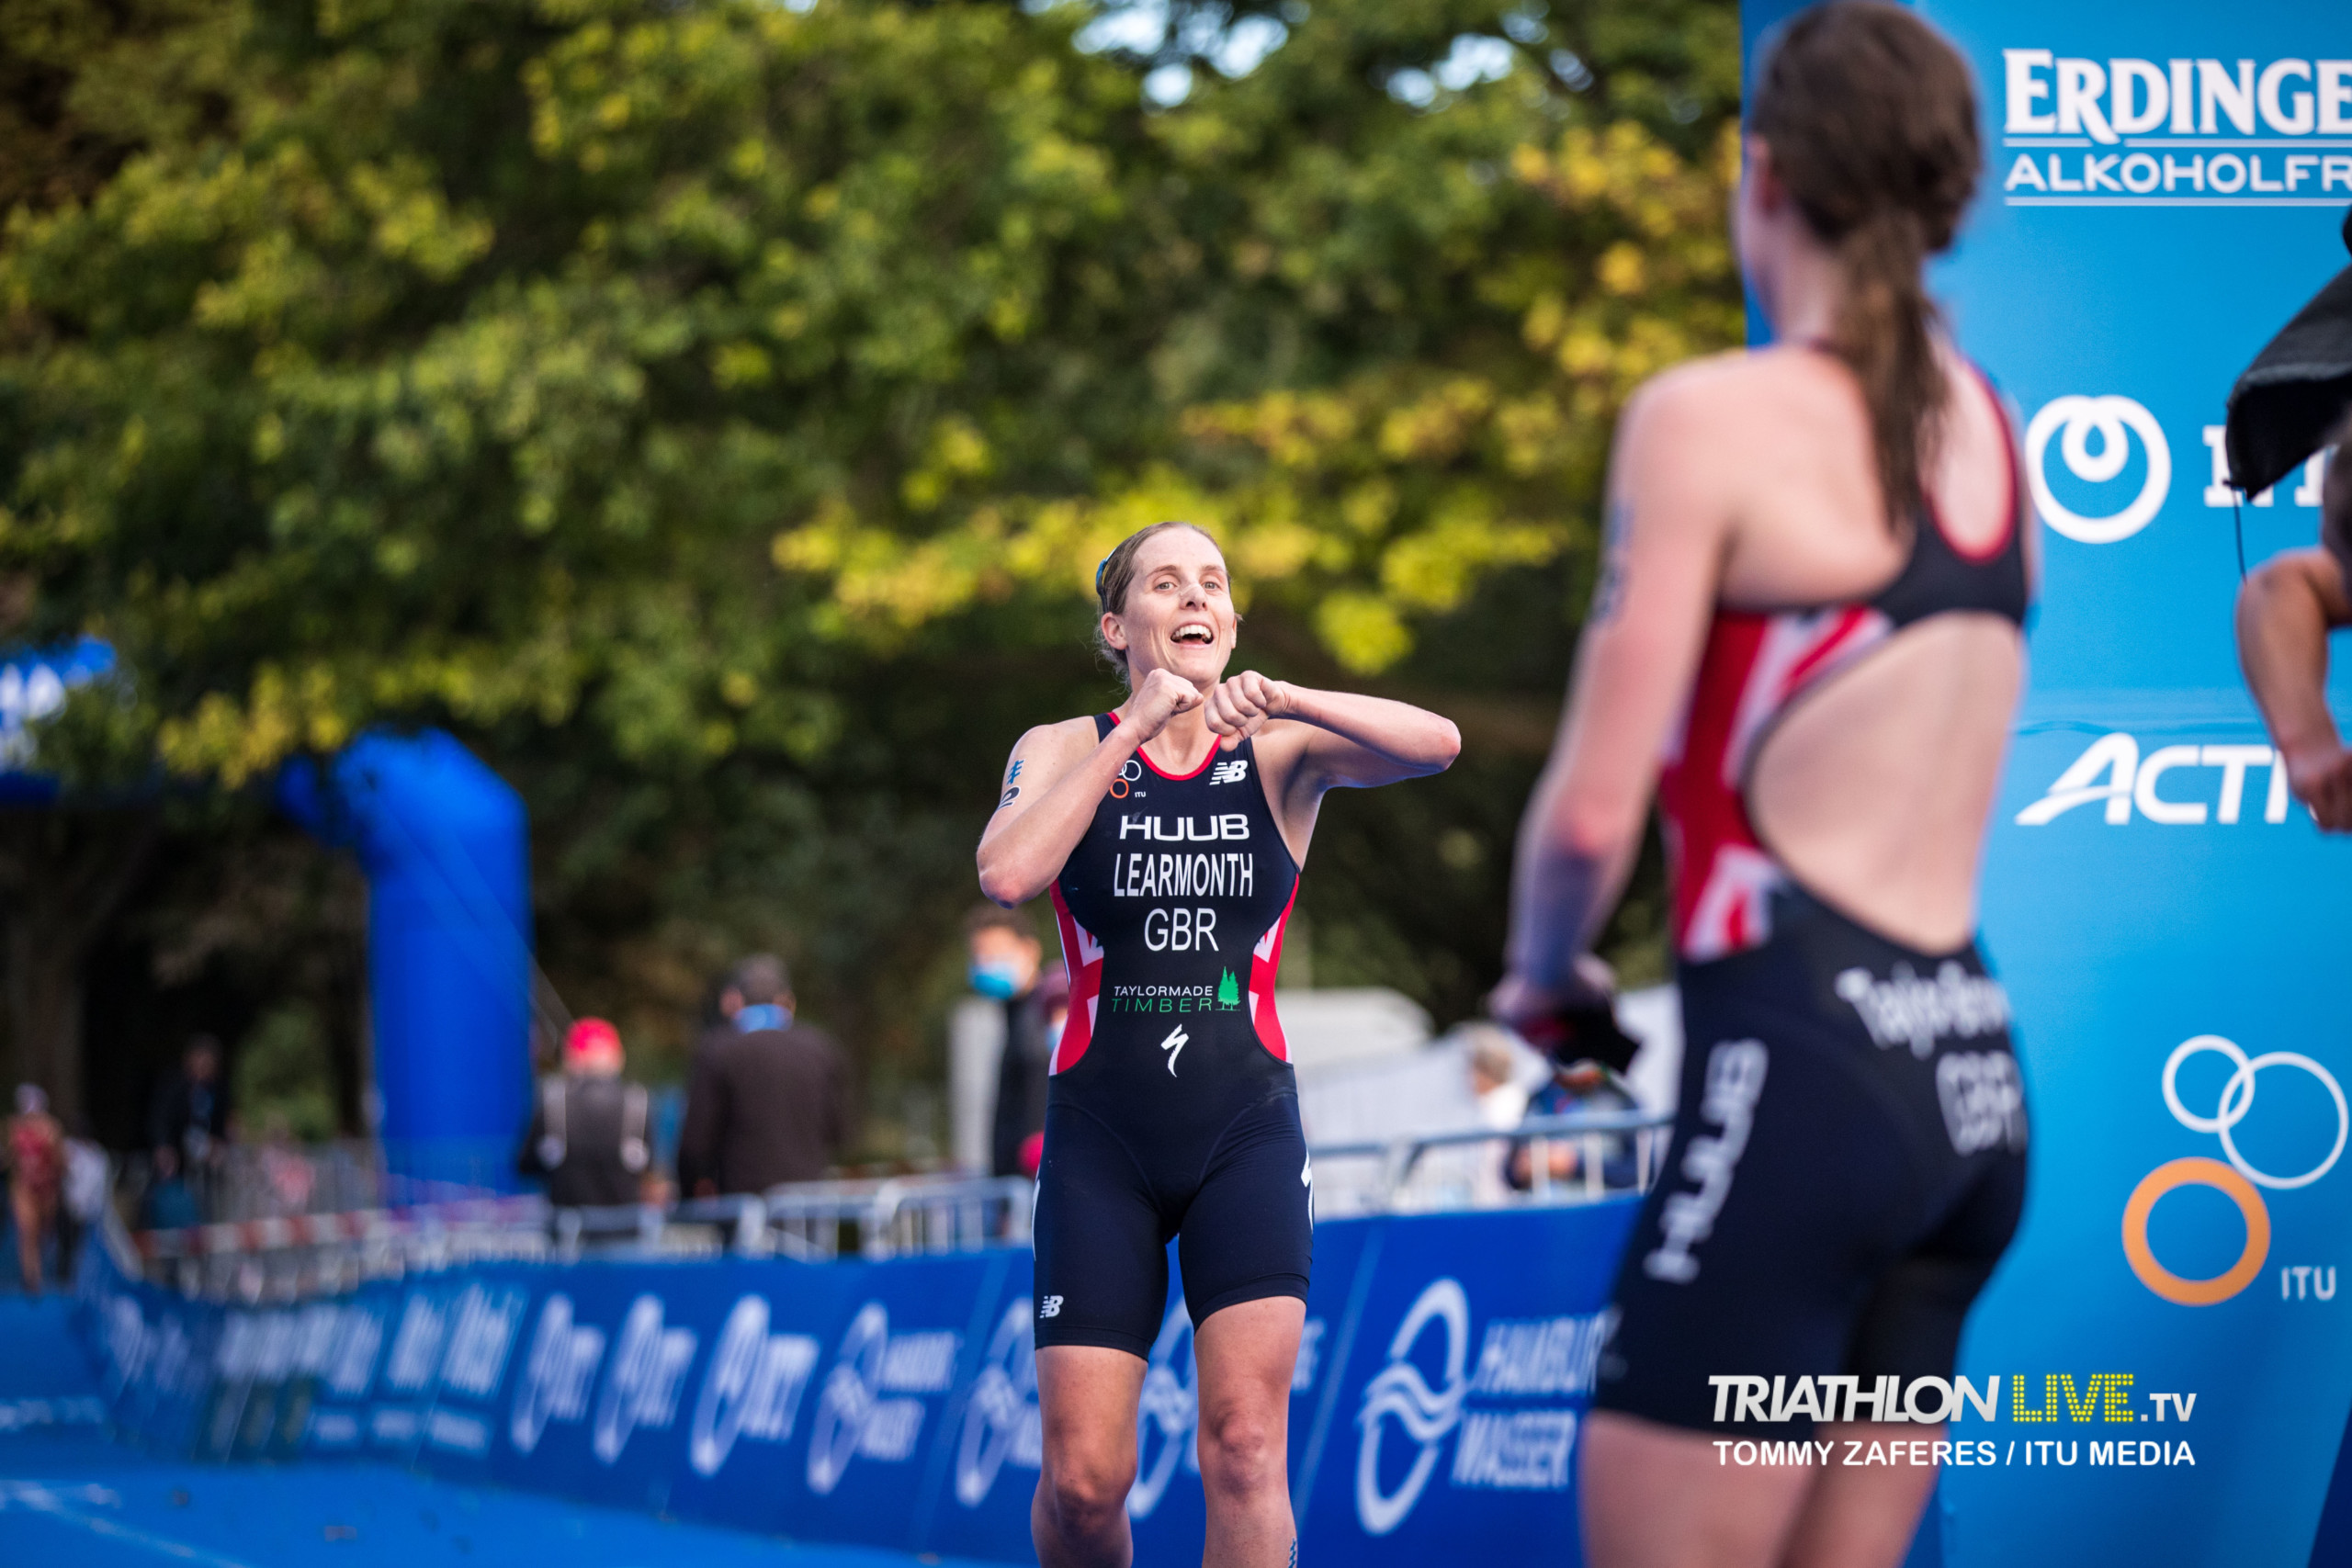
(445, 843)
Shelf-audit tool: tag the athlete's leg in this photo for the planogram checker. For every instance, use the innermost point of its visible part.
(1087, 1396)
(1658, 1496)
(25, 1210)
(1246, 1353)
(1863, 1516)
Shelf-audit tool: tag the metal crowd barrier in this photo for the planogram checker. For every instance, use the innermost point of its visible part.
(1617, 1152)
(297, 1257)
(815, 1220)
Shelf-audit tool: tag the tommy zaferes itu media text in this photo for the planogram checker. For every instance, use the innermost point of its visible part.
(2098, 1400)
(2100, 1397)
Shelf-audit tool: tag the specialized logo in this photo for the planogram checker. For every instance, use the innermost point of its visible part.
(1499, 1444)
(2238, 1180)
(853, 1420)
(753, 1389)
(1904, 1010)
(1001, 1424)
(642, 1384)
(1233, 772)
(1168, 1416)
(1050, 1306)
(1734, 1082)
(2113, 774)
(1174, 1045)
(2076, 421)
(556, 1373)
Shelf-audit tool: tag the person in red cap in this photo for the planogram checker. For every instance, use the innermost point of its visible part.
(589, 1128)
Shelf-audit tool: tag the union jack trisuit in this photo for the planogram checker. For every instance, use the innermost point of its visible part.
(1172, 1109)
(1849, 1155)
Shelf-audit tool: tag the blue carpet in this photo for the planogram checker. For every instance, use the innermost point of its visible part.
(69, 1496)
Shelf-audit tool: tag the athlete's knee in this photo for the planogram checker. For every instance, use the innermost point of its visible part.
(1085, 1494)
(1242, 1452)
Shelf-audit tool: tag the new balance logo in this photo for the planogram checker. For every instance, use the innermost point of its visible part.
(1050, 1307)
(1230, 773)
(1174, 1045)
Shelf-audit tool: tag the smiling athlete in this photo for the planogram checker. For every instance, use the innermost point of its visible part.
(1171, 833)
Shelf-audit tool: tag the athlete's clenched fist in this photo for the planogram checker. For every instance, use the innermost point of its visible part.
(1161, 697)
(1240, 706)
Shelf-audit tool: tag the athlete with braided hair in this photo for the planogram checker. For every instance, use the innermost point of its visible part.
(1817, 573)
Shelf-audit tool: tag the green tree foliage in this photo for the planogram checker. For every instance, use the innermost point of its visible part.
(714, 411)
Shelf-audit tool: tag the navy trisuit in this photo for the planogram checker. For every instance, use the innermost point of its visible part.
(1172, 1109)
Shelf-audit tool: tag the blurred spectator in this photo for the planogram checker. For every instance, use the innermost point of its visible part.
(1050, 1002)
(770, 1103)
(1577, 1086)
(286, 1171)
(89, 1186)
(762, 972)
(1494, 1076)
(35, 1177)
(1501, 1100)
(189, 1115)
(1002, 958)
(588, 1131)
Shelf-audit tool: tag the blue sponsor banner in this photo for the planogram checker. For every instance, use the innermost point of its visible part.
(2164, 181)
(1440, 1383)
(1463, 1368)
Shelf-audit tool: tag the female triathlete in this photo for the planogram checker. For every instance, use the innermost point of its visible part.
(1171, 833)
(1810, 608)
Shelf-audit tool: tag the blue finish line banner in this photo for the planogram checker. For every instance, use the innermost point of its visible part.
(1442, 1384)
(2163, 189)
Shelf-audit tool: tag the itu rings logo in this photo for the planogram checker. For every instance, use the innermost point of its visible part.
(2239, 1180)
(2112, 421)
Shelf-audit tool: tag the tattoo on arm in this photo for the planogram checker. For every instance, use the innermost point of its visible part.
(1609, 592)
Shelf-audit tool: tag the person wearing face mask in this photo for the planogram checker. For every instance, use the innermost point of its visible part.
(769, 1101)
(1169, 832)
(1004, 956)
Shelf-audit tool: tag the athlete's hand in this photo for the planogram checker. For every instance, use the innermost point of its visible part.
(1161, 697)
(2322, 780)
(1520, 1001)
(1240, 705)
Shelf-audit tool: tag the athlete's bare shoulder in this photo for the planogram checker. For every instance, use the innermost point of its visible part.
(1055, 745)
(1042, 755)
(1739, 384)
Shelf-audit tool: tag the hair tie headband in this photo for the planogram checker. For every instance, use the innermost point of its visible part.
(1099, 571)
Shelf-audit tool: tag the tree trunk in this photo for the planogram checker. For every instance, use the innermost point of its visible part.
(62, 876)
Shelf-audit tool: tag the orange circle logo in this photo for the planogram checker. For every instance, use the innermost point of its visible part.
(2195, 1172)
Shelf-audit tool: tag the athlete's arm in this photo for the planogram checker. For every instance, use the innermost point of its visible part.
(1668, 530)
(1336, 738)
(1057, 774)
(2285, 612)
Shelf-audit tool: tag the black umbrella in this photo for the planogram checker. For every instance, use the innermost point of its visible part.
(2297, 388)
